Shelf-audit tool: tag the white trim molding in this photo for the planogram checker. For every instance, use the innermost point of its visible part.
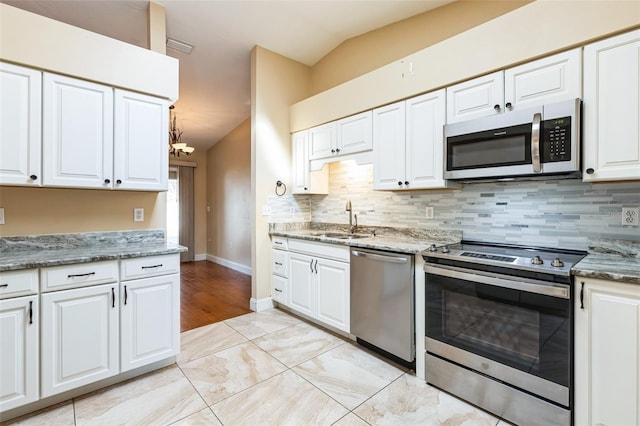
(229, 264)
(258, 305)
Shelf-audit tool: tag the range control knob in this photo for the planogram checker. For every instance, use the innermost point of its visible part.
(444, 249)
(557, 263)
(433, 248)
(537, 260)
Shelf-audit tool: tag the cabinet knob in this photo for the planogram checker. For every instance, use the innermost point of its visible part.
(118, 181)
(333, 151)
(406, 182)
(337, 149)
(399, 183)
(33, 177)
(496, 107)
(590, 171)
(508, 105)
(306, 189)
(107, 181)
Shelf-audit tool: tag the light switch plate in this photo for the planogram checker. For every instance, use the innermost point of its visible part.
(631, 215)
(1, 215)
(138, 215)
(266, 211)
(429, 212)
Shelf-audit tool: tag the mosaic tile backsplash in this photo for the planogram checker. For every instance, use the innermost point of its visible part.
(564, 213)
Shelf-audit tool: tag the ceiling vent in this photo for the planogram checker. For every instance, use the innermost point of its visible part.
(180, 46)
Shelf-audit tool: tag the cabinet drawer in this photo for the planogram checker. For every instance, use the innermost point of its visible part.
(149, 266)
(279, 243)
(280, 262)
(329, 251)
(279, 287)
(78, 275)
(18, 283)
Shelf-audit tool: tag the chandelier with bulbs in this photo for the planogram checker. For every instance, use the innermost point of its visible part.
(176, 146)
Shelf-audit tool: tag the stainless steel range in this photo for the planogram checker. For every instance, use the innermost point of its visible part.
(499, 328)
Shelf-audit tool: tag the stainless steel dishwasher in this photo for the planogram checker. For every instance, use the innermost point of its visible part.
(382, 303)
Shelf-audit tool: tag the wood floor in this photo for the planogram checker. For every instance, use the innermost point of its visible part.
(210, 293)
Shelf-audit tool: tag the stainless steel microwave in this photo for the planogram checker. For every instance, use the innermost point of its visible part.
(534, 143)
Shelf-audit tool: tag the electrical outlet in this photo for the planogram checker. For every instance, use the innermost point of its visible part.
(429, 212)
(266, 211)
(630, 216)
(138, 215)
(1, 215)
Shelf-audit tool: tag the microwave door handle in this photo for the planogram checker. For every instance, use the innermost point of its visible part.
(535, 142)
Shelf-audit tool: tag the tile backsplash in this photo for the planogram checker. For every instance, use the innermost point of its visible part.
(562, 213)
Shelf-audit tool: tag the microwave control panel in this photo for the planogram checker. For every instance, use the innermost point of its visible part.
(556, 140)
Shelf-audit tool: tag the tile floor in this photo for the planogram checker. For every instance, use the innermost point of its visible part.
(268, 368)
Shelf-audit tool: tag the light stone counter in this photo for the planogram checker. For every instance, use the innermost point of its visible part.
(401, 240)
(63, 249)
(611, 260)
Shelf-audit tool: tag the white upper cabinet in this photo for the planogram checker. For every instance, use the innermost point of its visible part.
(611, 109)
(408, 143)
(77, 133)
(20, 125)
(547, 80)
(140, 142)
(304, 180)
(349, 135)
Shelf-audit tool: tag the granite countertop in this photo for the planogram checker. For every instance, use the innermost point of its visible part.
(611, 260)
(64, 249)
(401, 240)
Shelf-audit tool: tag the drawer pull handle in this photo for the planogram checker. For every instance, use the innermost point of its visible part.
(278, 290)
(4, 285)
(152, 266)
(582, 296)
(278, 263)
(81, 275)
(113, 298)
(125, 294)
(30, 312)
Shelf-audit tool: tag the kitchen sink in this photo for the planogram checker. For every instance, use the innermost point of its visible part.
(342, 235)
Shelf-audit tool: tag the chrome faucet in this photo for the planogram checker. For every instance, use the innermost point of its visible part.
(352, 226)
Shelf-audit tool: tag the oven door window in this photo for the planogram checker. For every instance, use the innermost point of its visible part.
(501, 147)
(526, 331)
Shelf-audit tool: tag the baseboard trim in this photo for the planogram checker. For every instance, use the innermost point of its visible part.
(229, 264)
(201, 256)
(258, 305)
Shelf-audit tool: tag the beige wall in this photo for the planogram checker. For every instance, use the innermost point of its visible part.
(36, 211)
(228, 195)
(380, 47)
(276, 83)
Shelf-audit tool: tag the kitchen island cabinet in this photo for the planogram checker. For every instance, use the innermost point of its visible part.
(612, 109)
(607, 352)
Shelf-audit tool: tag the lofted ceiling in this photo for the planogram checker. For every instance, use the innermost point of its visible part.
(215, 87)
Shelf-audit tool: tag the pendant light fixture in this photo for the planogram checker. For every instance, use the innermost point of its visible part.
(176, 146)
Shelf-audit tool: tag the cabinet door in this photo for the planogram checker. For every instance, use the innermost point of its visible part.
(607, 348)
(480, 97)
(425, 141)
(389, 147)
(611, 109)
(150, 320)
(20, 125)
(552, 79)
(79, 337)
(354, 134)
(300, 162)
(141, 146)
(20, 353)
(333, 293)
(322, 141)
(301, 288)
(77, 133)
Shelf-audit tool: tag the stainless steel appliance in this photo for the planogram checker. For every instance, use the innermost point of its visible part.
(382, 303)
(499, 328)
(530, 143)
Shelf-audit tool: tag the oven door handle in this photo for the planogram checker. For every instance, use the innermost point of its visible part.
(523, 284)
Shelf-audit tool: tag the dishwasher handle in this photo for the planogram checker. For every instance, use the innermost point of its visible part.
(380, 257)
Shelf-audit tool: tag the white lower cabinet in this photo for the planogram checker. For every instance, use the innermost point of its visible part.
(19, 333)
(607, 352)
(80, 337)
(149, 320)
(318, 286)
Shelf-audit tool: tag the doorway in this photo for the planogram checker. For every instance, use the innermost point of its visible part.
(173, 207)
